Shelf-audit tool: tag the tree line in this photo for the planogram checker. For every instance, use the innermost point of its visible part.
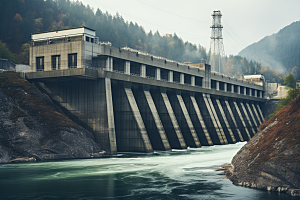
(20, 18)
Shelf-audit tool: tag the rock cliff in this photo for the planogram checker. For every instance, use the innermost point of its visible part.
(271, 159)
(33, 128)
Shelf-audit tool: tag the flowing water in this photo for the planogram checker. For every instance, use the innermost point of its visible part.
(176, 174)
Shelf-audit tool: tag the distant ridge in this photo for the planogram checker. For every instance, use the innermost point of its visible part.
(280, 51)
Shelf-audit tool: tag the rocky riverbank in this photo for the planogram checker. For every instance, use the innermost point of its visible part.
(33, 128)
(271, 159)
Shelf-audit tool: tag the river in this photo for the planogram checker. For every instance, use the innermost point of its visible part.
(176, 174)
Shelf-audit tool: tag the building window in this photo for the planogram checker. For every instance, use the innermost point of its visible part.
(87, 38)
(40, 63)
(55, 62)
(92, 40)
(72, 60)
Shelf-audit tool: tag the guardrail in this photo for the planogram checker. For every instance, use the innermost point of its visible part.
(122, 72)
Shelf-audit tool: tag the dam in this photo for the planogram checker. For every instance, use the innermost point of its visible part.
(137, 102)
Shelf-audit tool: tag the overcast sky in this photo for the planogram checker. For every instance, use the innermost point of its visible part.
(244, 22)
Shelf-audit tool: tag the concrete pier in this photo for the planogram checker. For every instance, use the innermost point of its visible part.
(212, 115)
(158, 123)
(256, 113)
(189, 121)
(174, 120)
(226, 122)
(234, 122)
(202, 123)
(139, 121)
(242, 119)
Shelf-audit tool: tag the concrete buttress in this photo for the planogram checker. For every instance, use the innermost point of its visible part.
(255, 111)
(188, 121)
(251, 113)
(157, 120)
(259, 110)
(234, 122)
(217, 119)
(138, 119)
(200, 118)
(174, 120)
(226, 121)
(213, 119)
(248, 118)
(242, 119)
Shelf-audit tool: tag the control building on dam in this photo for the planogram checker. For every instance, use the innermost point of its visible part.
(135, 102)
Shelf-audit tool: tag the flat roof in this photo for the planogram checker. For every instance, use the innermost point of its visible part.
(82, 30)
(64, 30)
(253, 76)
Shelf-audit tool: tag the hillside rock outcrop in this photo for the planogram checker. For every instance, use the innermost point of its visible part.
(33, 128)
(271, 159)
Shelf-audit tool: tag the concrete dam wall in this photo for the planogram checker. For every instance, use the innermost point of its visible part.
(133, 101)
(128, 116)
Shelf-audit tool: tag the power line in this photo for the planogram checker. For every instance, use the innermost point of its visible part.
(232, 38)
(147, 21)
(172, 13)
(196, 21)
(197, 37)
(251, 52)
(231, 43)
(234, 32)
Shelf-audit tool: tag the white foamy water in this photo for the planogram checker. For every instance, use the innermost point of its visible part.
(176, 174)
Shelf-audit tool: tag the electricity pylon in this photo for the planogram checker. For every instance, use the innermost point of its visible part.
(216, 50)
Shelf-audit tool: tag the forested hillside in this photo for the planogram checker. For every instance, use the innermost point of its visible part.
(20, 18)
(279, 51)
(237, 66)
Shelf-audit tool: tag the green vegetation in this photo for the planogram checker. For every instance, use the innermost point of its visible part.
(21, 57)
(20, 18)
(293, 92)
(5, 53)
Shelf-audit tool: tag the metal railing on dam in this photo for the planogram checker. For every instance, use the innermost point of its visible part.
(131, 113)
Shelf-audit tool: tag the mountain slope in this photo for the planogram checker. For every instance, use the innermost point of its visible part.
(33, 128)
(271, 159)
(279, 51)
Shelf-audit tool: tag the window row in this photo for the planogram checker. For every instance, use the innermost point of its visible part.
(56, 63)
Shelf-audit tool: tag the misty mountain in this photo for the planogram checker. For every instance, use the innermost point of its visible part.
(280, 51)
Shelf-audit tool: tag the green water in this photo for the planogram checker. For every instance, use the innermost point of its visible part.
(177, 174)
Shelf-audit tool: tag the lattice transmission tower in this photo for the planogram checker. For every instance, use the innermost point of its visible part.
(216, 50)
